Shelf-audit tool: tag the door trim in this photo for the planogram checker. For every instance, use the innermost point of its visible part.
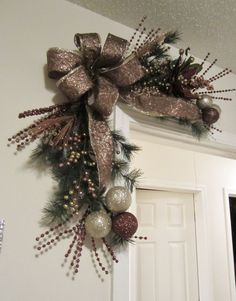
(121, 282)
(230, 257)
(203, 259)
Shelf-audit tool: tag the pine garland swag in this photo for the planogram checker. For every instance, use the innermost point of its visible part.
(85, 158)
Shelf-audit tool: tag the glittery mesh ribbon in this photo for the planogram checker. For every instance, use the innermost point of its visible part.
(102, 75)
(102, 144)
(157, 105)
(99, 72)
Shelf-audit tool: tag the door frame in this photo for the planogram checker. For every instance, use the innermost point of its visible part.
(122, 275)
(122, 281)
(230, 256)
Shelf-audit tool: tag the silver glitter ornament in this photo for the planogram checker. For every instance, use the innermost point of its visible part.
(118, 199)
(98, 224)
(205, 101)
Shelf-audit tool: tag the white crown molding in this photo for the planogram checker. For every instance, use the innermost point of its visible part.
(221, 144)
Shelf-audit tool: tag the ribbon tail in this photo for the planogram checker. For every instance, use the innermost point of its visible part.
(102, 144)
(104, 97)
(158, 105)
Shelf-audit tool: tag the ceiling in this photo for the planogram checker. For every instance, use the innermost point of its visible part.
(206, 25)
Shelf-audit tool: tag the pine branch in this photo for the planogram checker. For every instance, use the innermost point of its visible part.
(172, 37)
(199, 129)
(131, 178)
(44, 154)
(54, 212)
(117, 136)
(119, 242)
(127, 149)
(120, 171)
(119, 167)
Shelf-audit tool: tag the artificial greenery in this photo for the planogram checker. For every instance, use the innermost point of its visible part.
(55, 159)
(164, 70)
(166, 74)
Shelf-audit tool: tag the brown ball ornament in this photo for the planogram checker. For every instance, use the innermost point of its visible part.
(125, 225)
(210, 115)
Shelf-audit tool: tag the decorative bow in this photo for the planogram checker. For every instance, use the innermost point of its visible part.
(103, 75)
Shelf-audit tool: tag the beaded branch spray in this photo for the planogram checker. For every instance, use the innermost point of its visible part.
(85, 157)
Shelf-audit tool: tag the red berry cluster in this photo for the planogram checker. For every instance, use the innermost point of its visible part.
(97, 256)
(32, 132)
(110, 250)
(76, 245)
(45, 240)
(41, 111)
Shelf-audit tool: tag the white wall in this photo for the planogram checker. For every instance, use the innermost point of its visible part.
(166, 163)
(27, 29)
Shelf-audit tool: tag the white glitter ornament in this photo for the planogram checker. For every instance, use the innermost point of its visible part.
(118, 199)
(98, 224)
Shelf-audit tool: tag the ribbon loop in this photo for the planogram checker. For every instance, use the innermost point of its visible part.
(75, 83)
(126, 74)
(90, 46)
(61, 61)
(104, 97)
(113, 51)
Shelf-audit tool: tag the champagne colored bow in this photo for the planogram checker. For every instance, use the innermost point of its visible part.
(101, 76)
(93, 70)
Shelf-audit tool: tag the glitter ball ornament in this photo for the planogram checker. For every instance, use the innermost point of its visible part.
(210, 115)
(205, 101)
(217, 108)
(118, 199)
(98, 224)
(125, 225)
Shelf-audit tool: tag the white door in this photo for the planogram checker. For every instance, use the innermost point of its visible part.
(165, 265)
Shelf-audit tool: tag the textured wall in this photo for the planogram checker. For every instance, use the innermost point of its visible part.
(28, 28)
(205, 25)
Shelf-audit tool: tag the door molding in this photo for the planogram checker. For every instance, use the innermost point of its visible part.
(121, 280)
(230, 256)
(203, 260)
(221, 144)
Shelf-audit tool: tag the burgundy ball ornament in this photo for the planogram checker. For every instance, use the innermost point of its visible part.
(217, 108)
(125, 225)
(210, 115)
